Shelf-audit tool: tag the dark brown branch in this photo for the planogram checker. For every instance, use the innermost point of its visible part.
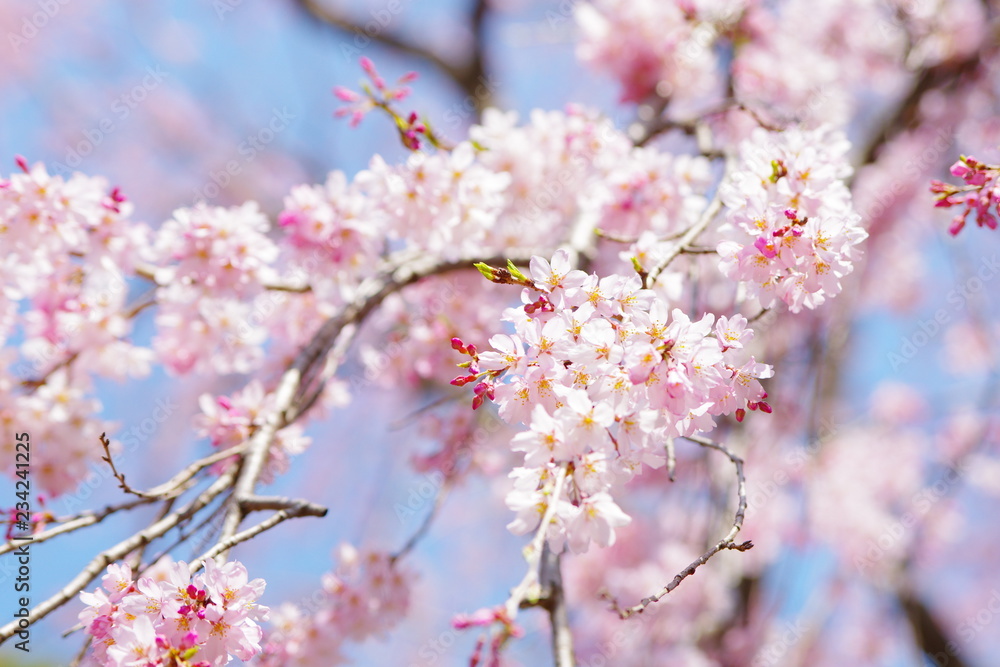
(293, 507)
(303, 382)
(468, 75)
(928, 633)
(943, 76)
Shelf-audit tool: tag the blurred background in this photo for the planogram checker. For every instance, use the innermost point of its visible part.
(873, 489)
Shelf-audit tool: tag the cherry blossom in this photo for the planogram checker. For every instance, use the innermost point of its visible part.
(606, 391)
(174, 618)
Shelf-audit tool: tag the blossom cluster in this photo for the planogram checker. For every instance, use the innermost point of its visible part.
(979, 195)
(68, 246)
(603, 374)
(788, 194)
(654, 47)
(365, 596)
(210, 260)
(228, 421)
(796, 60)
(169, 618)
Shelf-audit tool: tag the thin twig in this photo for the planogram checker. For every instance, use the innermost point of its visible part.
(116, 553)
(107, 458)
(70, 524)
(723, 544)
(694, 230)
(299, 509)
(424, 525)
(466, 75)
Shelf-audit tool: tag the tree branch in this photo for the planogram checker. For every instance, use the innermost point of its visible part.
(295, 393)
(723, 544)
(468, 75)
(927, 632)
(117, 552)
(424, 525)
(694, 230)
(554, 602)
(293, 509)
(528, 589)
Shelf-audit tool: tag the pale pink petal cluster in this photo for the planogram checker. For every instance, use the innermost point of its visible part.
(656, 47)
(365, 596)
(69, 247)
(166, 617)
(228, 422)
(601, 378)
(443, 203)
(210, 263)
(788, 195)
(333, 224)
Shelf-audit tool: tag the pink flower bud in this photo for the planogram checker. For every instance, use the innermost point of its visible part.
(346, 94)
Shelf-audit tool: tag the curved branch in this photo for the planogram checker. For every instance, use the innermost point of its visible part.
(468, 75)
(725, 543)
(694, 231)
(296, 391)
(117, 552)
(292, 510)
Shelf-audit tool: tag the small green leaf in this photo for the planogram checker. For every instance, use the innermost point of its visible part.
(514, 271)
(488, 271)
